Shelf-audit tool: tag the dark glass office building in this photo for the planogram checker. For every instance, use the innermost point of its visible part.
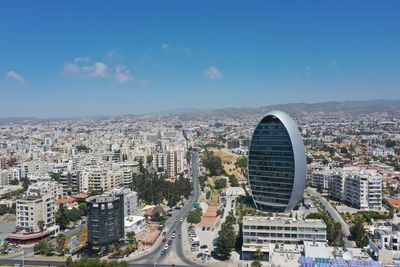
(277, 163)
(105, 220)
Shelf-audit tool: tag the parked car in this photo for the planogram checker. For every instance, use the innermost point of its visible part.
(199, 255)
(169, 242)
(179, 236)
(164, 239)
(166, 247)
(204, 246)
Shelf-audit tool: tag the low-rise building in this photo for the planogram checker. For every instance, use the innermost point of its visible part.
(260, 232)
(135, 224)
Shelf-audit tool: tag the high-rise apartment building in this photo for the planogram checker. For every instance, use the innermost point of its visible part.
(105, 221)
(357, 187)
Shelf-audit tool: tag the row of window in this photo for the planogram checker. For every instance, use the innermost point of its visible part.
(284, 228)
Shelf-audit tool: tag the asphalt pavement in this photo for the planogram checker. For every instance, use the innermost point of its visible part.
(335, 215)
(176, 254)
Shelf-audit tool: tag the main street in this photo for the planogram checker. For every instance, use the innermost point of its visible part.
(176, 253)
(335, 215)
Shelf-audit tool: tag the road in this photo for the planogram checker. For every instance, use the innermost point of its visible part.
(176, 253)
(40, 262)
(335, 215)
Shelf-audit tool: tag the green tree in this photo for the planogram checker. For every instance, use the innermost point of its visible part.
(194, 216)
(41, 224)
(61, 217)
(60, 241)
(390, 143)
(14, 182)
(213, 164)
(130, 234)
(256, 263)
(226, 240)
(220, 183)
(4, 247)
(74, 214)
(233, 181)
(241, 162)
(149, 159)
(25, 183)
(43, 248)
(83, 208)
(55, 176)
(320, 189)
(357, 232)
(257, 254)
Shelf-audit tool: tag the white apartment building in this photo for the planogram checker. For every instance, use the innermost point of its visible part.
(172, 162)
(4, 177)
(260, 232)
(130, 200)
(46, 187)
(128, 169)
(321, 178)
(359, 188)
(383, 152)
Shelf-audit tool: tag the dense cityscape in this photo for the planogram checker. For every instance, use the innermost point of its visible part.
(199, 133)
(174, 189)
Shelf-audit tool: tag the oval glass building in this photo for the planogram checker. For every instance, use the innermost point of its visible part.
(277, 163)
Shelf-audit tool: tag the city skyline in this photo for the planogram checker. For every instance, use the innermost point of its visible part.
(63, 61)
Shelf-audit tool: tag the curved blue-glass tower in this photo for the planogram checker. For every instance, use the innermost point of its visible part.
(277, 163)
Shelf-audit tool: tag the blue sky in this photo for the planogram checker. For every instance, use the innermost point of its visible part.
(73, 58)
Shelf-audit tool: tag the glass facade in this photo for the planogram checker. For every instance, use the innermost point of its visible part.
(271, 165)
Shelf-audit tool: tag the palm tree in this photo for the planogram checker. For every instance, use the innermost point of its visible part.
(60, 240)
(258, 254)
(41, 225)
(130, 235)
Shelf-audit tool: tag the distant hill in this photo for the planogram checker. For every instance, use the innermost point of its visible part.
(353, 107)
(391, 107)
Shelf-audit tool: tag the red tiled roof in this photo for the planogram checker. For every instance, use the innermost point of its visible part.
(80, 196)
(65, 200)
(394, 202)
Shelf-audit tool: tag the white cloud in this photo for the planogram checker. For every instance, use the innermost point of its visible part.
(165, 46)
(85, 67)
(213, 73)
(123, 74)
(15, 75)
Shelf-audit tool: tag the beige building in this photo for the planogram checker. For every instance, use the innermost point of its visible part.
(98, 178)
(35, 208)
